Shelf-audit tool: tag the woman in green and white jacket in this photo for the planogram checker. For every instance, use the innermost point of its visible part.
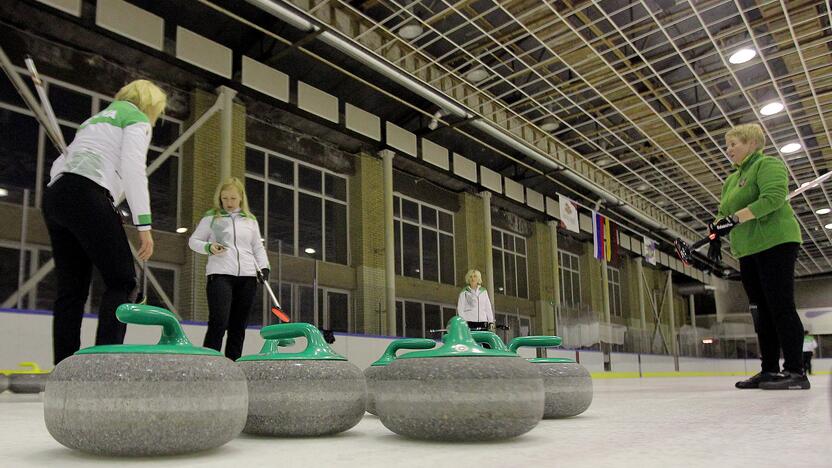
(755, 213)
(474, 305)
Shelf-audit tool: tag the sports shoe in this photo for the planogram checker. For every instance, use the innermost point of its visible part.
(756, 380)
(787, 381)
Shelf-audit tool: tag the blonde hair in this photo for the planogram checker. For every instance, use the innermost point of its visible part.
(148, 97)
(748, 133)
(471, 274)
(235, 183)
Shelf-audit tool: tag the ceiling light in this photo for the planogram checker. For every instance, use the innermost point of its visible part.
(605, 162)
(476, 75)
(309, 250)
(549, 124)
(742, 56)
(829, 226)
(3, 192)
(771, 108)
(182, 230)
(642, 187)
(411, 30)
(707, 341)
(790, 148)
(823, 211)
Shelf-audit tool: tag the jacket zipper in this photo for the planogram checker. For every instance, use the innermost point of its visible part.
(234, 228)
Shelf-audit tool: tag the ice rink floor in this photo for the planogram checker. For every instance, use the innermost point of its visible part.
(658, 422)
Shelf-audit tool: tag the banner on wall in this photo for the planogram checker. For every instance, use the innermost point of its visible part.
(599, 235)
(817, 320)
(650, 250)
(568, 214)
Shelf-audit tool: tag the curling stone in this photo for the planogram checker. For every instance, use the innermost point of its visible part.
(4, 382)
(376, 370)
(140, 400)
(568, 384)
(32, 380)
(460, 392)
(310, 393)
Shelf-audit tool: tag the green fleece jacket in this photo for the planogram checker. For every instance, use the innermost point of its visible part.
(761, 184)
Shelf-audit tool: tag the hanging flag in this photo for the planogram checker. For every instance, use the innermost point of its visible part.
(650, 250)
(568, 214)
(610, 240)
(598, 235)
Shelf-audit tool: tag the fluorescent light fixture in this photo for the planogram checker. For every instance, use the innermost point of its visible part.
(707, 341)
(642, 187)
(829, 226)
(605, 162)
(789, 148)
(411, 30)
(743, 55)
(549, 124)
(4, 192)
(823, 211)
(182, 230)
(476, 75)
(309, 250)
(772, 108)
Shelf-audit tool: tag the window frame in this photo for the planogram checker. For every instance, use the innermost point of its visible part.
(514, 253)
(420, 225)
(575, 273)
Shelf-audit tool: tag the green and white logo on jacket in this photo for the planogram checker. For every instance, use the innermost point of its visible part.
(118, 114)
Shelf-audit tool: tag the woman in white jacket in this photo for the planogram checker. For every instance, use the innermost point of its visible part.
(230, 235)
(474, 305)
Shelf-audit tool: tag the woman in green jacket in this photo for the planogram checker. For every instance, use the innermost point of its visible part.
(765, 236)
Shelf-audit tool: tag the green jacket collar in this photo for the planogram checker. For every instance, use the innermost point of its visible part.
(224, 213)
(479, 288)
(749, 159)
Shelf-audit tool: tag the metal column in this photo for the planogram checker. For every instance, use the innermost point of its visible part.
(642, 309)
(489, 260)
(553, 247)
(389, 243)
(692, 309)
(674, 346)
(226, 130)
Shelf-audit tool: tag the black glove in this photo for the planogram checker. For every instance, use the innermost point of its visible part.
(715, 251)
(722, 226)
(263, 275)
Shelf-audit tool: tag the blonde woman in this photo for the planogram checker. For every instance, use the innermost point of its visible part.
(106, 159)
(474, 305)
(765, 236)
(230, 235)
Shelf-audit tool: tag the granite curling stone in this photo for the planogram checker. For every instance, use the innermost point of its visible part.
(145, 400)
(460, 392)
(568, 385)
(29, 381)
(310, 393)
(376, 370)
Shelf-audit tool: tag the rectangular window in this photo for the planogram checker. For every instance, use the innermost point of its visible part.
(304, 209)
(424, 241)
(416, 319)
(570, 278)
(518, 325)
(614, 282)
(510, 264)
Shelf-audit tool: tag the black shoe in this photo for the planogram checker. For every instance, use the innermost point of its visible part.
(787, 381)
(756, 380)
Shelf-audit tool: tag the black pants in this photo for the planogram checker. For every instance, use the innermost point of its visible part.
(230, 299)
(86, 230)
(768, 279)
(807, 361)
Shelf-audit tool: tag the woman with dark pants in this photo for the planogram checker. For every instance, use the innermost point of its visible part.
(230, 235)
(107, 158)
(765, 236)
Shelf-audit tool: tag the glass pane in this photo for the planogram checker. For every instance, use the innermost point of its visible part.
(165, 132)
(18, 154)
(399, 318)
(167, 280)
(496, 238)
(281, 170)
(9, 94)
(308, 178)
(306, 304)
(255, 161)
(69, 105)
(281, 219)
(411, 250)
(446, 222)
(447, 313)
(336, 187)
(430, 255)
(499, 282)
(521, 245)
(428, 216)
(508, 242)
(396, 206)
(446, 259)
(254, 194)
(339, 306)
(433, 318)
(310, 231)
(413, 320)
(9, 264)
(397, 233)
(511, 275)
(525, 326)
(336, 232)
(164, 193)
(522, 279)
(410, 210)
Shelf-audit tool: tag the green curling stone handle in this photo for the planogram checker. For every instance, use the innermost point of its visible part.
(316, 347)
(534, 342)
(491, 339)
(141, 314)
(273, 346)
(404, 343)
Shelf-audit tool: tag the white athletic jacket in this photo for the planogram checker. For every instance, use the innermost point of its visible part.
(474, 306)
(110, 149)
(239, 233)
